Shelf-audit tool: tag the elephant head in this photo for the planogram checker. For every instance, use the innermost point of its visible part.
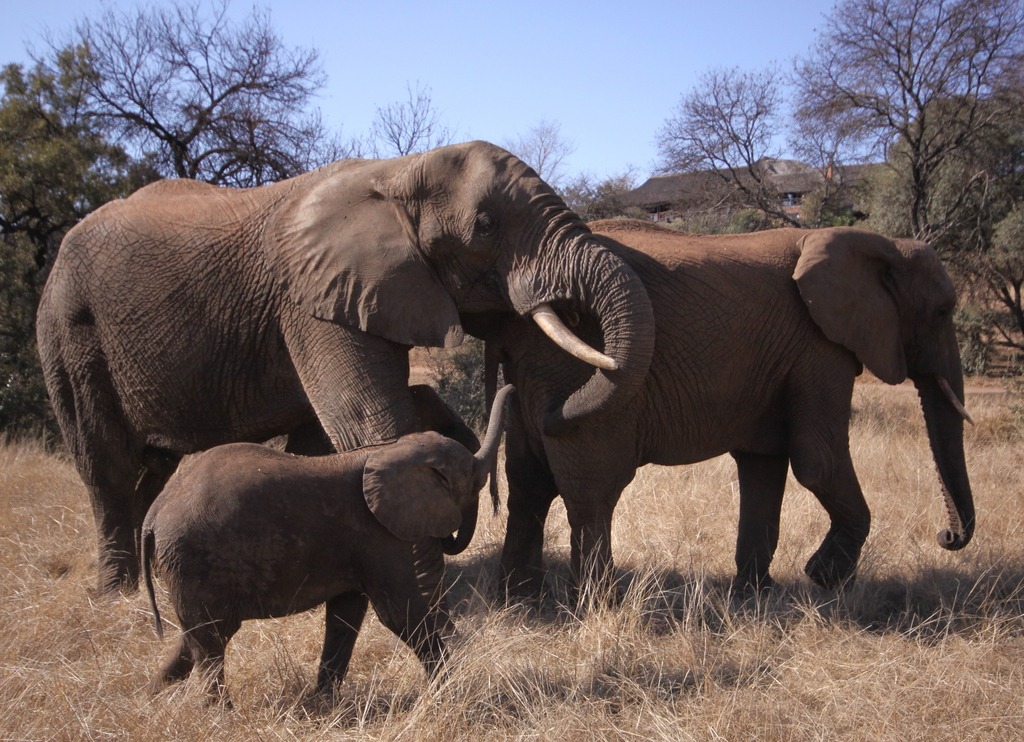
(427, 486)
(399, 248)
(891, 303)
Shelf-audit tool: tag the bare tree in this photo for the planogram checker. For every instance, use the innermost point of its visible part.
(728, 126)
(910, 80)
(215, 100)
(543, 149)
(409, 126)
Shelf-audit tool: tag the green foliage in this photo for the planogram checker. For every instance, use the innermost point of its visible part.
(23, 406)
(1007, 252)
(820, 210)
(973, 337)
(749, 220)
(459, 379)
(888, 203)
(56, 165)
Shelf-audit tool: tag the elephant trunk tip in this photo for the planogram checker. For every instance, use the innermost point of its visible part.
(952, 540)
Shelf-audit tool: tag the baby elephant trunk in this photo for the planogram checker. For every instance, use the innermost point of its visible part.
(483, 463)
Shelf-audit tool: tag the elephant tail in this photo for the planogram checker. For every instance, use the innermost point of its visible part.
(148, 548)
(491, 367)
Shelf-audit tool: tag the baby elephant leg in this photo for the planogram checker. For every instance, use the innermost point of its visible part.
(199, 647)
(344, 617)
(177, 666)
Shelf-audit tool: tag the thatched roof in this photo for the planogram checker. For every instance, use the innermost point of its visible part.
(785, 176)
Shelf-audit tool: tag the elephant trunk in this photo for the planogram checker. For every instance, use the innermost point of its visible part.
(603, 285)
(483, 463)
(620, 302)
(945, 424)
(427, 636)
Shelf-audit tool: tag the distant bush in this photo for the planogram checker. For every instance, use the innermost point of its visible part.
(459, 378)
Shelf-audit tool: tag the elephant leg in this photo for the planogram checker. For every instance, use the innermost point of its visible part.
(176, 667)
(357, 384)
(590, 476)
(591, 547)
(119, 504)
(424, 632)
(343, 618)
(158, 466)
(207, 643)
(116, 515)
(87, 408)
(835, 561)
(762, 485)
(820, 456)
(531, 490)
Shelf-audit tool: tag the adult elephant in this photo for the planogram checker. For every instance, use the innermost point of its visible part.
(187, 316)
(759, 340)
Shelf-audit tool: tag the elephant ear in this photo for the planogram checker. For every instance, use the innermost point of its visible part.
(348, 253)
(844, 279)
(408, 488)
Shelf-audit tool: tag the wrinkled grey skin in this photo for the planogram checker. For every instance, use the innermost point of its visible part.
(759, 340)
(187, 316)
(244, 531)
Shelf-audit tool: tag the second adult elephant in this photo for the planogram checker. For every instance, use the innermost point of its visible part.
(188, 316)
(759, 340)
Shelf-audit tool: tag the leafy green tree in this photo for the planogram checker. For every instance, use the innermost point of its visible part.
(56, 165)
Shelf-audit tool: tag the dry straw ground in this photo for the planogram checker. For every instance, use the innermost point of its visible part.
(926, 645)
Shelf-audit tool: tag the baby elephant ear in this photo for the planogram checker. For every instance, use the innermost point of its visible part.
(348, 253)
(845, 279)
(408, 487)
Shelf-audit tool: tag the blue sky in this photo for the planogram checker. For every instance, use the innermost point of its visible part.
(609, 73)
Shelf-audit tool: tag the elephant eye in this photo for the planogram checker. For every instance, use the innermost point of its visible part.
(486, 225)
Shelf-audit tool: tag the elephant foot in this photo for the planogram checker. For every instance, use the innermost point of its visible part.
(830, 574)
(601, 592)
(107, 590)
(117, 575)
(748, 586)
(327, 688)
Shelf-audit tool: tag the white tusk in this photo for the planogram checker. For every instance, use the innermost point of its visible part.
(948, 391)
(564, 338)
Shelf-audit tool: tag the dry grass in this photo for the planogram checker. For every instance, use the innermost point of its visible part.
(927, 644)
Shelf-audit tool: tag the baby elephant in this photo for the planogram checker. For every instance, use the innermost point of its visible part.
(244, 531)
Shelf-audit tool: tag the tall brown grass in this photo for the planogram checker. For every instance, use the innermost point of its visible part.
(926, 643)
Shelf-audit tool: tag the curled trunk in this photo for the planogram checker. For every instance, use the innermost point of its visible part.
(601, 284)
